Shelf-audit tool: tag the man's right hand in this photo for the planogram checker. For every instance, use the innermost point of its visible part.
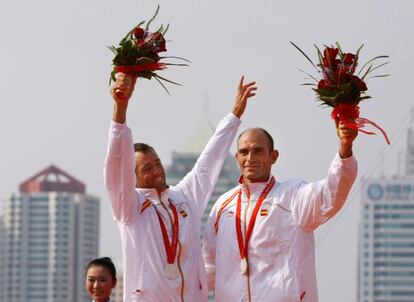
(121, 92)
(123, 87)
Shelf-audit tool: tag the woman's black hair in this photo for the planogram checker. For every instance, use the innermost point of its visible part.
(105, 262)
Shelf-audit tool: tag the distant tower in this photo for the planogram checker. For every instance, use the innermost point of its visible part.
(117, 294)
(409, 159)
(51, 232)
(2, 259)
(386, 237)
(183, 161)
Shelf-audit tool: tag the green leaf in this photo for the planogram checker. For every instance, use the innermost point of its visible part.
(174, 57)
(376, 67)
(320, 56)
(176, 64)
(144, 60)
(161, 83)
(379, 76)
(112, 77)
(366, 97)
(358, 50)
(169, 81)
(301, 51)
(308, 74)
(152, 18)
(113, 49)
(367, 63)
(340, 50)
(368, 70)
(166, 29)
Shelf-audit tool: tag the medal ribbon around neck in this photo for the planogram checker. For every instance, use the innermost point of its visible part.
(243, 246)
(170, 249)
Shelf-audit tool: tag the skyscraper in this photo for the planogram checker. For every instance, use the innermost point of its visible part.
(117, 294)
(182, 162)
(2, 259)
(386, 243)
(51, 230)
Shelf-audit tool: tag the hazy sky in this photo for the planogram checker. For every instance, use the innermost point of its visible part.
(56, 107)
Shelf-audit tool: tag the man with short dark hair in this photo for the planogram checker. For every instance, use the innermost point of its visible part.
(259, 243)
(159, 224)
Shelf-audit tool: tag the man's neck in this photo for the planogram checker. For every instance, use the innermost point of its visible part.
(258, 180)
(161, 189)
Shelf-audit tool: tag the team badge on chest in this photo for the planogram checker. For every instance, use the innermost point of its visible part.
(264, 210)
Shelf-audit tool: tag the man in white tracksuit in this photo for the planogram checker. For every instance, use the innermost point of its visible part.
(159, 224)
(259, 243)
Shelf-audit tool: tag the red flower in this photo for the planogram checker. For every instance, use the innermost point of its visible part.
(329, 55)
(340, 74)
(324, 84)
(161, 45)
(359, 83)
(139, 33)
(349, 58)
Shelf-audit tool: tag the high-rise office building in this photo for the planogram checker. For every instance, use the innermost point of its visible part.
(117, 294)
(2, 260)
(51, 231)
(183, 162)
(386, 243)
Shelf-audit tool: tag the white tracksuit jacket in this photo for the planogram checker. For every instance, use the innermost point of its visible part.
(281, 250)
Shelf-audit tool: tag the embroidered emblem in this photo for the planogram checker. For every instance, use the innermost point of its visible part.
(263, 212)
(145, 205)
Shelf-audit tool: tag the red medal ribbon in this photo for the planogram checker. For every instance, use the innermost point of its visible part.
(170, 249)
(349, 115)
(140, 67)
(243, 246)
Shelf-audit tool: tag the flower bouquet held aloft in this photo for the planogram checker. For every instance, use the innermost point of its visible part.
(339, 87)
(138, 53)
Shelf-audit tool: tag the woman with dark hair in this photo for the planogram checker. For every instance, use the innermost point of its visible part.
(100, 279)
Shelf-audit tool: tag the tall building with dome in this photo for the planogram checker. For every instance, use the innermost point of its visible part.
(51, 231)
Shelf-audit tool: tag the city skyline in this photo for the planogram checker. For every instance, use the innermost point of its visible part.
(51, 231)
(386, 246)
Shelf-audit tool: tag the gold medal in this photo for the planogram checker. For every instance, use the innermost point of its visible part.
(243, 266)
(171, 271)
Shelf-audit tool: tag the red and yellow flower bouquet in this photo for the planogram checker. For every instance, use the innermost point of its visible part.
(339, 87)
(139, 51)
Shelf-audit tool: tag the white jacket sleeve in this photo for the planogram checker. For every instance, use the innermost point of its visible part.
(209, 248)
(119, 172)
(199, 183)
(315, 203)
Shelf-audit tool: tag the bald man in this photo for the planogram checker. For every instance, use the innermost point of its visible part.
(259, 243)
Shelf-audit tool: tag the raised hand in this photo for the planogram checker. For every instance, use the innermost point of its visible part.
(244, 92)
(121, 92)
(346, 138)
(123, 87)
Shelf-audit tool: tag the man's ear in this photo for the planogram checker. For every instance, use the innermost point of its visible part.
(274, 156)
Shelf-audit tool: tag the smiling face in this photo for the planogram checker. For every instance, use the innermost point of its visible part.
(255, 156)
(149, 171)
(99, 283)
